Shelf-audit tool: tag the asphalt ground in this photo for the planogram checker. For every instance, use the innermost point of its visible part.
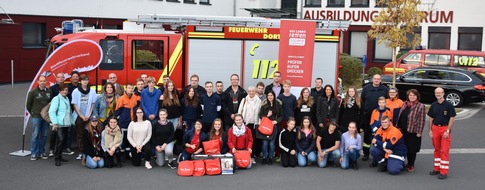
(21, 173)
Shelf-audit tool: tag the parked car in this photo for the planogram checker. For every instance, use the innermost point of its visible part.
(474, 60)
(460, 85)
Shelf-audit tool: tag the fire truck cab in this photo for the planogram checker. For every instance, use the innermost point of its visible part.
(211, 47)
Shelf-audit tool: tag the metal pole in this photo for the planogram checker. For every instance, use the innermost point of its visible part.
(23, 142)
(11, 63)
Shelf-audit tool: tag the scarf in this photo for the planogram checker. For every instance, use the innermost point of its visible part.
(250, 109)
(96, 140)
(163, 122)
(80, 88)
(238, 132)
(351, 102)
(112, 131)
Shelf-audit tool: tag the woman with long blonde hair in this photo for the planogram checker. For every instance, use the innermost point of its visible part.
(350, 110)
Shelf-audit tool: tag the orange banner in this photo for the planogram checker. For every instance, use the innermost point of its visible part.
(296, 51)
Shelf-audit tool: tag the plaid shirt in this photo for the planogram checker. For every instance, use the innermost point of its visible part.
(416, 117)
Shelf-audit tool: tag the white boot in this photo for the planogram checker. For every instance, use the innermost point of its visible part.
(148, 165)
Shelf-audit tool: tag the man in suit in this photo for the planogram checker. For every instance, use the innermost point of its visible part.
(120, 90)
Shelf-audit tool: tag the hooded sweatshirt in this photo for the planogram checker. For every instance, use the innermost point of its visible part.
(149, 102)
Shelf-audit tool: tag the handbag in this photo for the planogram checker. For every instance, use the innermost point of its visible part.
(266, 126)
(213, 166)
(44, 113)
(211, 147)
(186, 168)
(261, 136)
(242, 158)
(199, 168)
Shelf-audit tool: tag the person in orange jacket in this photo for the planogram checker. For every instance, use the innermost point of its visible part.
(378, 114)
(394, 104)
(125, 106)
(388, 148)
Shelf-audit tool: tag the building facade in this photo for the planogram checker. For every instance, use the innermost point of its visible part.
(26, 25)
(454, 25)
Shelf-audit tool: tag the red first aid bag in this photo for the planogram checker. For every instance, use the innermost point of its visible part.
(266, 126)
(242, 158)
(199, 168)
(213, 166)
(212, 147)
(186, 168)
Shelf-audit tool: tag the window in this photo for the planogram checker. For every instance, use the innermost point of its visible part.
(335, 3)
(175, 1)
(313, 3)
(381, 3)
(439, 37)
(190, 1)
(418, 74)
(413, 58)
(437, 60)
(148, 54)
(112, 55)
(34, 35)
(442, 75)
(459, 77)
(358, 44)
(468, 61)
(410, 38)
(470, 38)
(204, 2)
(381, 51)
(112, 26)
(359, 3)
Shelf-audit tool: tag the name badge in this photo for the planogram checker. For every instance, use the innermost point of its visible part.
(445, 112)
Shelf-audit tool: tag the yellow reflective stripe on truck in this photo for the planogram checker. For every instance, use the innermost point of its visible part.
(205, 35)
(319, 38)
(401, 70)
(173, 61)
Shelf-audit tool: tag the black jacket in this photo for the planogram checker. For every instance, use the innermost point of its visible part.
(88, 147)
(324, 113)
(276, 109)
(346, 115)
(162, 134)
(287, 140)
(270, 87)
(226, 102)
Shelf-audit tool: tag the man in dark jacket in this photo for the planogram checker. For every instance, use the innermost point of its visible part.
(231, 99)
(37, 99)
(276, 85)
(370, 95)
(194, 83)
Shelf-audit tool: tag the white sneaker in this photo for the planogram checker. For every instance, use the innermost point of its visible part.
(51, 153)
(33, 157)
(253, 160)
(67, 151)
(43, 156)
(79, 157)
(148, 165)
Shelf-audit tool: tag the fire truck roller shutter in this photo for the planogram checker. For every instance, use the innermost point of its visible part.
(260, 61)
(325, 63)
(214, 59)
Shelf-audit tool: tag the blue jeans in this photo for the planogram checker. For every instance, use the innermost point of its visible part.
(90, 163)
(335, 154)
(271, 144)
(303, 160)
(39, 136)
(352, 155)
(175, 122)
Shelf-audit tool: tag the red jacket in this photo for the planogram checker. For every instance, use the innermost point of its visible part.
(243, 142)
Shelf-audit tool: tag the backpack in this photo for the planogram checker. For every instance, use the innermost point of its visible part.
(44, 113)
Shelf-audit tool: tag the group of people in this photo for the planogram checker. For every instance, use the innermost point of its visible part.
(142, 120)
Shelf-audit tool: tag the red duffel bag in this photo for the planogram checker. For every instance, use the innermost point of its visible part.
(212, 147)
(242, 158)
(266, 126)
(213, 166)
(186, 168)
(199, 168)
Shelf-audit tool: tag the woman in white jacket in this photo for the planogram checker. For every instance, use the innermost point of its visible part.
(61, 117)
(249, 109)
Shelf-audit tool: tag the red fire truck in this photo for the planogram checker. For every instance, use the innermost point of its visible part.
(211, 47)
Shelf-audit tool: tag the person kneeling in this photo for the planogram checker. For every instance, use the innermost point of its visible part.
(388, 148)
(111, 142)
(287, 143)
(193, 142)
(92, 144)
(240, 137)
(350, 145)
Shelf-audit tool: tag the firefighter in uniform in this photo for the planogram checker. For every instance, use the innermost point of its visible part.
(441, 118)
(388, 148)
